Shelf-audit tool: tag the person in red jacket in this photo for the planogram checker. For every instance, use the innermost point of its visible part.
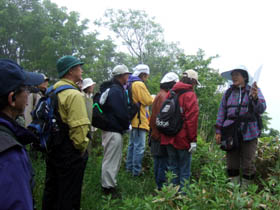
(158, 151)
(181, 146)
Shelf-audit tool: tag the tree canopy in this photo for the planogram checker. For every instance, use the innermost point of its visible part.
(40, 32)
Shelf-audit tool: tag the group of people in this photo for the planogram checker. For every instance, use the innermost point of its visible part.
(66, 163)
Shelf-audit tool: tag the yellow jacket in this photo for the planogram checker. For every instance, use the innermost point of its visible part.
(141, 94)
(72, 109)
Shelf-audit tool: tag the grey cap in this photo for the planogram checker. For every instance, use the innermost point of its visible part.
(120, 69)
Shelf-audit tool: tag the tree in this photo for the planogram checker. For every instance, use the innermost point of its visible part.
(208, 95)
(143, 39)
(40, 32)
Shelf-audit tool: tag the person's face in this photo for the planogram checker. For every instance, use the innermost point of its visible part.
(76, 73)
(44, 85)
(237, 79)
(145, 77)
(19, 100)
(123, 79)
(90, 89)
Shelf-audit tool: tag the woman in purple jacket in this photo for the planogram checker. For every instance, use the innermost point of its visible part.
(241, 106)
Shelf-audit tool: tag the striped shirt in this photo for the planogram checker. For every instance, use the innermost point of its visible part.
(231, 107)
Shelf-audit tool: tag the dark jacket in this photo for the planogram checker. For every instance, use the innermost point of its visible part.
(116, 108)
(188, 133)
(15, 167)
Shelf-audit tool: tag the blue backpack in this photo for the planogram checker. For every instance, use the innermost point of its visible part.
(46, 121)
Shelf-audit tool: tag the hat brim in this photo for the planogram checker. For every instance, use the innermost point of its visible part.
(33, 79)
(227, 75)
(88, 85)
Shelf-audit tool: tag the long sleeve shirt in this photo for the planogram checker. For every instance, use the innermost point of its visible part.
(72, 110)
(228, 107)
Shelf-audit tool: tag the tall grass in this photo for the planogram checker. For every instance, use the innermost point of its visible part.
(208, 188)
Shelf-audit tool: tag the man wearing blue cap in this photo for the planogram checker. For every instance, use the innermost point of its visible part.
(67, 161)
(15, 168)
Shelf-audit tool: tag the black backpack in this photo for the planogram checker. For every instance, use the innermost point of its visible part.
(99, 119)
(133, 108)
(169, 120)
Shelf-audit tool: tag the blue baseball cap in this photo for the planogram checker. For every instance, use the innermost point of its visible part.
(13, 76)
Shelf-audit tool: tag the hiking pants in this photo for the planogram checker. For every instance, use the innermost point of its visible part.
(112, 144)
(63, 184)
(242, 158)
(179, 165)
(135, 151)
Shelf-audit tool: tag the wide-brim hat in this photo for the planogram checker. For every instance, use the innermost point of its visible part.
(65, 63)
(87, 82)
(14, 76)
(240, 68)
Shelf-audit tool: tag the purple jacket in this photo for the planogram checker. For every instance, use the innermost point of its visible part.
(15, 168)
(259, 107)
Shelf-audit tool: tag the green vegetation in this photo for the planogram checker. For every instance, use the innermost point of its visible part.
(208, 188)
(40, 32)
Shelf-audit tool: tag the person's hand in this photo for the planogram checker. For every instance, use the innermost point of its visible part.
(218, 138)
(254, 91)
(193, 147)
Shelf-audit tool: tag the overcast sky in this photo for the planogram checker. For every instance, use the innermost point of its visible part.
(239, 31)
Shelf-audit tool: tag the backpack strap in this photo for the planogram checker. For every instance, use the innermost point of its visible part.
(54, 98)
(250, 117)
(178, 94)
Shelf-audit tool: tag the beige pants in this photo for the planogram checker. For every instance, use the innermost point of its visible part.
(112, 144)
(243, 158)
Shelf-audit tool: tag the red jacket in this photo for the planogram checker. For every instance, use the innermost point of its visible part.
(160, 98)
(188, 133)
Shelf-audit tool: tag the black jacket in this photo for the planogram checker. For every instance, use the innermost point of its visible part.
(116, 108)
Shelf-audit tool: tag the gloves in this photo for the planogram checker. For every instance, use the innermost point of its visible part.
(193, 147)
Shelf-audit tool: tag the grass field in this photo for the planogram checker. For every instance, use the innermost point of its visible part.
(208, 189)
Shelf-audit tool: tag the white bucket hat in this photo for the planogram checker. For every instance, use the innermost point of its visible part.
(120, 69)
(227, 74)
(192, 74)
(170, 77)
(141, 68)
(87, 82)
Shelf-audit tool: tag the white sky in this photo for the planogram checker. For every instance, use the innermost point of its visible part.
(240, 31)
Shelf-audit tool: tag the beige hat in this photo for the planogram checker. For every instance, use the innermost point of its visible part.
(192, 74)
(120, 69)
(87, 82)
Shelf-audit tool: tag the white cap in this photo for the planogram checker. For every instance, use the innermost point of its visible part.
(141, 68)
(192, 74)
(87, 82)
(170, 77)
(120, 69)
